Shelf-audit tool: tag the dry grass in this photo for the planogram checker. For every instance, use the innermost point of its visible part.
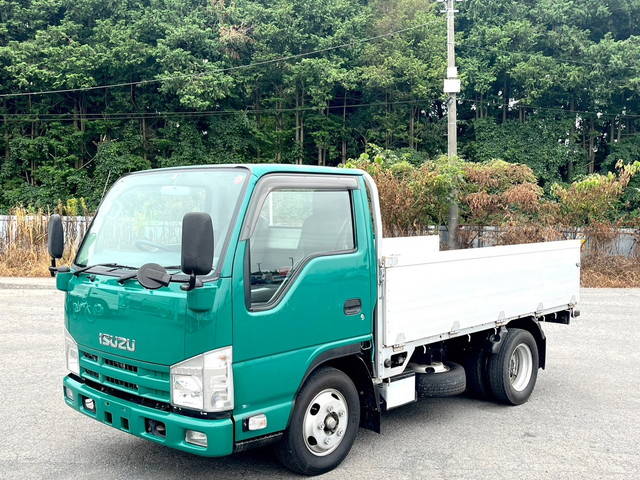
(610, 272)
(23, 250)
(23, 245)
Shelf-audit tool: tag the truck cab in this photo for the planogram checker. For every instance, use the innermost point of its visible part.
(215, 308)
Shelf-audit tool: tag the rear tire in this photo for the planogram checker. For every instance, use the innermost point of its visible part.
(475, 366)
(443, 384)
(324, 424)
(514, 369)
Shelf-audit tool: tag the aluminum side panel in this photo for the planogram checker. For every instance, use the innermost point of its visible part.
(460, 289)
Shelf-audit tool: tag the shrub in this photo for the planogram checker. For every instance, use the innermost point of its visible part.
(595, 198)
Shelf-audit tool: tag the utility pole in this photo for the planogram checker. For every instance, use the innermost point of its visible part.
(452, 88)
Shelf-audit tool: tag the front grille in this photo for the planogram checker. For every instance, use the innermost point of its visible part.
(91, 373)
(120, 365)
(122, 383)
(146, 380)
(90, 356)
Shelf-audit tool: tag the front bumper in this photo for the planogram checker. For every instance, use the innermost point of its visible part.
(132, 418)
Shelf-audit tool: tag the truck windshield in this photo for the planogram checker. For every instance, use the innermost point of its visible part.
(140, 219)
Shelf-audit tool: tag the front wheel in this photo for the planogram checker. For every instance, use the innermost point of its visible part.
(514, 369)
(324, 424)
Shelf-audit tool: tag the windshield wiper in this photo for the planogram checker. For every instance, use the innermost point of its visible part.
(111, 265)
(130, 275)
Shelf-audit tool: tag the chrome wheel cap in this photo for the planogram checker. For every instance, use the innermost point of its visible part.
(325, 422)
(520, 367)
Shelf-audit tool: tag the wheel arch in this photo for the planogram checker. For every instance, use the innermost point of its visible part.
(351, 359)
(533, 326)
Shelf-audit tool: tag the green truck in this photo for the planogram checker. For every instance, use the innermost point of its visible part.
(216, 308)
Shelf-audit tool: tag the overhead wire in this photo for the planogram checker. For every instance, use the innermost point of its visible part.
(120, 116)
(212, 113)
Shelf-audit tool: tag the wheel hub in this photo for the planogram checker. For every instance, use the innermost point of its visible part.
(325, 421)
(520, 367)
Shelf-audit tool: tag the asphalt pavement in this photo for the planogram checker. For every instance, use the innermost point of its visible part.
(582, 421)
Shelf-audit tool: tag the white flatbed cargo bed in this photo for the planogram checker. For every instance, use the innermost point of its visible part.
(427, 295)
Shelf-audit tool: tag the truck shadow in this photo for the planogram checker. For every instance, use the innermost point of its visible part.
(150, 460)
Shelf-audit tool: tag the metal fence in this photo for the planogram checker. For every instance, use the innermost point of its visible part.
(624, 242)
(32, 229)
(619, 242)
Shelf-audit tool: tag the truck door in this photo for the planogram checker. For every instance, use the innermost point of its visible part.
(302, 283)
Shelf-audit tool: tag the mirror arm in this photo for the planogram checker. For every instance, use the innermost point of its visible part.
(194, 282)
(52, 268)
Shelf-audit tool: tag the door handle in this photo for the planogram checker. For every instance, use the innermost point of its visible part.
(352, 306)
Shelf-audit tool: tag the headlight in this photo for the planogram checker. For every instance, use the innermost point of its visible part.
(71, 353)
(204, 382)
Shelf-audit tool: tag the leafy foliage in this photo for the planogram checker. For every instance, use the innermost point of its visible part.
(551, 85)
(490, 193)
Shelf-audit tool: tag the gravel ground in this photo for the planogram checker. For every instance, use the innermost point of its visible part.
(583, 420)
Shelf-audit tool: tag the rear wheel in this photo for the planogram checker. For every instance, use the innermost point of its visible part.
(475, 366)
(324, 424)
(514, 369)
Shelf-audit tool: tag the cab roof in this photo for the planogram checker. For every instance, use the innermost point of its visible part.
(260, 169)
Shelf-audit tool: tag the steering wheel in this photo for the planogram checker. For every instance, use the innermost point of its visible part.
(149, 246)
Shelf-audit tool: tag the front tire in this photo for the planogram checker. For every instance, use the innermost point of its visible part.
(324, 424)
(514, 369)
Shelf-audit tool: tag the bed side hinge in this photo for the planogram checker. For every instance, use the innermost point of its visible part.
(381, 274)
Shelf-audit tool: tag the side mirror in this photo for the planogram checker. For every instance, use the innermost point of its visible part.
(55, 240)
(55, 237)
(197, 244)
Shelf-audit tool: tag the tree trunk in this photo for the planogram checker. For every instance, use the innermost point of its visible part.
(76, 126)
(572, 108)
(143, 130)
(620, 132)
(412, 127)
(83, 127)
(592, 155)
(278, 156)
(505, 104)
(32, 135)
(297, 115)
(301, 144)
(386, 110)
(257, 104)
(612, 130)
(344, 127)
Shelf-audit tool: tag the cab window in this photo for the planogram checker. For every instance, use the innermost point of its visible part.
(293, 227)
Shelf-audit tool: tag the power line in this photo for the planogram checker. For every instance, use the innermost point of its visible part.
(116, 116)
(195, 114)
(70, 116)
(221, 70)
